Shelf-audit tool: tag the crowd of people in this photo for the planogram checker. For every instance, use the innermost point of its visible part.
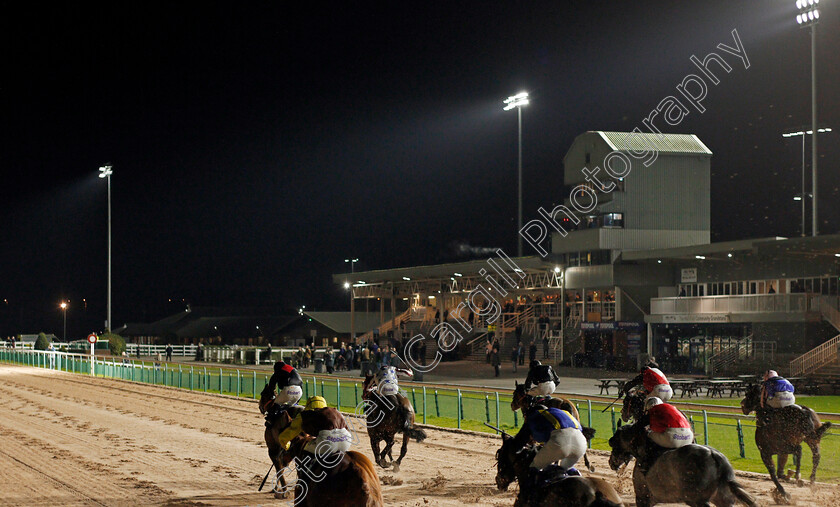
(354, 356)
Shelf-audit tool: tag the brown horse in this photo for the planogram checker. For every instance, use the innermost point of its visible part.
(351, 482)
(512, 463)
(522, 401)
(386, 416)
(277, 421)
(693, 474)
(781, 432)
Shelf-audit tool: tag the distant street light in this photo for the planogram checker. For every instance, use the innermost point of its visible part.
(352, 301)
(803, 194)
(106, 172)
(63, 306)
(809, 15)
(517, 101)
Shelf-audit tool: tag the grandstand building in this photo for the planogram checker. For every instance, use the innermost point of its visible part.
(635, 275)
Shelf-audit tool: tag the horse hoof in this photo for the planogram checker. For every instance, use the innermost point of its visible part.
(800, 482)
(591, 468)
(781, 498)
(396, 468)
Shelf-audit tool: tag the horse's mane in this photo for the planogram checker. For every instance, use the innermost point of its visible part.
(368, 474)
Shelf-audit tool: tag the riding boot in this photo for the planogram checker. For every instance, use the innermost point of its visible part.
(573, 472)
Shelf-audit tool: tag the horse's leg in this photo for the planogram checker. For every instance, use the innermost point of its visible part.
(781, 462)
(780, 495)
(403, 450)
(797, 461)
(815, 454)
(374, 445)
(389, 445)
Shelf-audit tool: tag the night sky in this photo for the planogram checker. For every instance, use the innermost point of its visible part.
(256, 145)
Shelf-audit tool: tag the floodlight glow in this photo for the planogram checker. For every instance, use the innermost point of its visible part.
(105, 171)
(816, 14)
(798, 4)
(810, 2)
(701, 257)
(518, 100)
(346, 285)
(799, 18)
(458, 274)
(407, 279)
(797, 198)
(810, 15)
(556, 269)
(729, 255)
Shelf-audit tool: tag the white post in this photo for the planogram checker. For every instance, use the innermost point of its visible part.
(92, 369)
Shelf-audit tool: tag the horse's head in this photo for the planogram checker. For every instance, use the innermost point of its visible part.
(634, 405)
(625, 444)
(752, 399)
(366, 385)
(511, 461)
(266, 399)
(520, 397)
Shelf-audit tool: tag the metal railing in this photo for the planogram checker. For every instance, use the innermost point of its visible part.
(386, 326)
(152, 350)
(749, 303)
(818, 356)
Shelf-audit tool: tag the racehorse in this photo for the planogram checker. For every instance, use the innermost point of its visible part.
(278, 419)
(386, 416)
(350, 482)
(781, 432)
(522, 401)
(512, 464)
(694, 474)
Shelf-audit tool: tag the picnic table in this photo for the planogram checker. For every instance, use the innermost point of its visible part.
(606, 383)
(719, 387)
(688, 387)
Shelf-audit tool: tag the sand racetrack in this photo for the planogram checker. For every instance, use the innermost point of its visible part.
(73, 440)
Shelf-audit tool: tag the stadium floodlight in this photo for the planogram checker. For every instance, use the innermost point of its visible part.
(105, 172)
(809, 16)
(517, 101)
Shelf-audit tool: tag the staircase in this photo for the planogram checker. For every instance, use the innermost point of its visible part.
(829, 310)
(745, 350)
(386, 326)
(819, 357)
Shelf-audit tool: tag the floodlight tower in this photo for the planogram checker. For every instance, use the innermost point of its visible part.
(517, 101)
(809, 16)
(106, 172)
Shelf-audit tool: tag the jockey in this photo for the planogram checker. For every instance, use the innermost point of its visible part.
(318, 420)
(287, 381)
(776, 392)
(561, 434)
(668, 426)
(541, 380)
(385, 380)
(653, 381)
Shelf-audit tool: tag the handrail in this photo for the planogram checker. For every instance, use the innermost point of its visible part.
(386, 326)
(816, 357)
(830, 312)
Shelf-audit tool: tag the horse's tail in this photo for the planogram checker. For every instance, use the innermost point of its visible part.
(820, 431)
(727, 479)
(370, 481)
(417, 434)
(741, 494)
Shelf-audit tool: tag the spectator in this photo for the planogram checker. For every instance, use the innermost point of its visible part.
(514, 356)
(488, 349)
(268, 353)
(422, 352)
(350, 356)
(386, 356)
(495, 360)
(168, 352)
(521, 354)
(329, 360)
(545, 346)
(532, 351)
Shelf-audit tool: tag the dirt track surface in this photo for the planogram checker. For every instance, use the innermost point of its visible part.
(73, 440)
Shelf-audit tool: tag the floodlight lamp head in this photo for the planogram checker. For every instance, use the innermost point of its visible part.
(518, 100)
(105, 171)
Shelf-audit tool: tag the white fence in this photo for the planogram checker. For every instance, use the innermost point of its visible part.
(153, 350)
